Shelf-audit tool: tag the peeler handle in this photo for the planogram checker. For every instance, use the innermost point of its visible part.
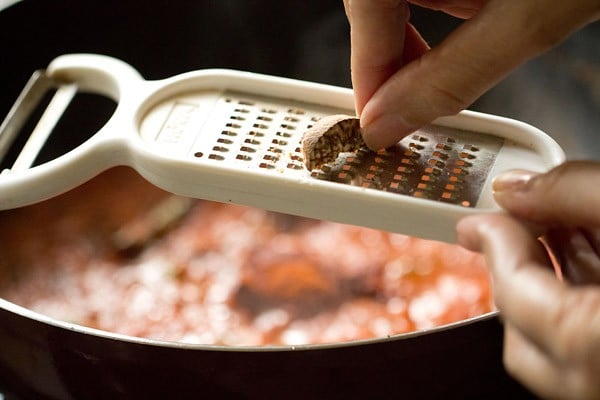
(110, 146)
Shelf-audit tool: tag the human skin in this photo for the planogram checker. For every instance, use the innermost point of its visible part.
(400, 84)
(552, 324)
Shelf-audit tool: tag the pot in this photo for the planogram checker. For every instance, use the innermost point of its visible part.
(42, 357)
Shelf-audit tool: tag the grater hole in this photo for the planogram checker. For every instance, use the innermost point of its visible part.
(470, 147)
(270, 157)
(243, 157)
(296, 111)
(224, 141)
(459, 171)
(233, 125)
(288, 126)
(420, 138)
(198, 154)
(237, 118)
(283, 134)
(242, 110)
(252, 141)
(260, 126)
(432, 170)
(275, 150)
(266, 165)
(279, 142)
(229, 133)
(264, 118)
(246, 103)
(220, 149)
(436, 163)
(256, 134)
(268, 110)
(216, 157)
(291, 119)
(294, 166)
(404, 169)
(439, 154)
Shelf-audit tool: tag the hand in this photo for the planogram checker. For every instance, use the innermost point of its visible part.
(552, 326)
(401, 85)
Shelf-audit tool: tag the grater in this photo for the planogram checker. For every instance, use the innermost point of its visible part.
(233, 136)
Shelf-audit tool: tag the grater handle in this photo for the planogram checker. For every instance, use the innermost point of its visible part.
(109, 147)
(96, 73)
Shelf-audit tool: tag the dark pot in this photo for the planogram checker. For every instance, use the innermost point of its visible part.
(44, 358)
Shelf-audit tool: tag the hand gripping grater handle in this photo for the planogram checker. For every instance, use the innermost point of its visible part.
(234, 136)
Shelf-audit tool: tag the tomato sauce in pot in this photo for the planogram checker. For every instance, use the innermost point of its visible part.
(120, 255)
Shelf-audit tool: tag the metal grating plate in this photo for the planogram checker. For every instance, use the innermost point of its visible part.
(436, 163)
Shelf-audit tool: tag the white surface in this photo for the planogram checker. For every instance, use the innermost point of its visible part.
(171, 165)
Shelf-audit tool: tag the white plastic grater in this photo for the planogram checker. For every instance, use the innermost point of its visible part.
(234, 136)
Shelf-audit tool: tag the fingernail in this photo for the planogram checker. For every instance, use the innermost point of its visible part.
(385, 131)
(516, 180)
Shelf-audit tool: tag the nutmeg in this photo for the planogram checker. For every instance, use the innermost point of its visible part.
(328, 137)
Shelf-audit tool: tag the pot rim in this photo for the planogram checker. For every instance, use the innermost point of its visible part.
(36, 316)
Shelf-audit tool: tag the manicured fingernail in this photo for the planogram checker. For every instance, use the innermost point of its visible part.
(516, 180)
(385, 131)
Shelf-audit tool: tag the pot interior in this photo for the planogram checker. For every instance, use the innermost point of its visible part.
(120, 255)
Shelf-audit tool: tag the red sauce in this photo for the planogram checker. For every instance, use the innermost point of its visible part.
(226, 274)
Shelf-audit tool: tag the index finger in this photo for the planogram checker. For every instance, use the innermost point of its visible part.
(377, 32)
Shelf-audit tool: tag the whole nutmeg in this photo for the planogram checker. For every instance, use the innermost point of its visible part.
(328, 137)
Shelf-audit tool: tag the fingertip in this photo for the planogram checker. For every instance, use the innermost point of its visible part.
(467, 233)
(384, 131)
(513, 180)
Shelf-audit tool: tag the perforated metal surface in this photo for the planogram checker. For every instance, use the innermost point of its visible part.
(258, 133)
(436, 163)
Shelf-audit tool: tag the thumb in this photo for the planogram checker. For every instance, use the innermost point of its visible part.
(473, 58)
(568, 195)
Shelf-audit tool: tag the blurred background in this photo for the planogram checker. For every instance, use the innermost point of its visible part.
(558, 92)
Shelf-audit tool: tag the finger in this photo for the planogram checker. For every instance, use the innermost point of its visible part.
(568, 195)
(577, 254)
(377, 30)
(526, 291)
(467, 63)
(524, 361)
